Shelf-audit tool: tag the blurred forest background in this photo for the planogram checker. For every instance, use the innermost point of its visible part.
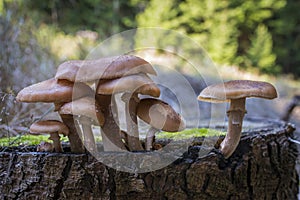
(257, 35)
(261, 36)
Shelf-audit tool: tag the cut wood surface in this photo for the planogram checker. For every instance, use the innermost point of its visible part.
(263, 167)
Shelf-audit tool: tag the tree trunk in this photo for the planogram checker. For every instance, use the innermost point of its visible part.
(262, 167)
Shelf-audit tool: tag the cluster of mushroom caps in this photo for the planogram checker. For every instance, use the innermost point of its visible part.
(83, 93)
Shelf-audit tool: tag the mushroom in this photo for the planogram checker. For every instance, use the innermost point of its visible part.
(236, 92)
(45, 147)
(52, 127)
(160, 116)
(53, 90)
(103, 68)
(110, 132)
(58, 92)
(88, 111)
(131, 86)
(290, 107)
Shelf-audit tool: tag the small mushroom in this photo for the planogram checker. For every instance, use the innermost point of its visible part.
(160, 116)
(53, 91)
(52, 127)
(236, 92)
(88, 111)
(45, 147)
(58, 92)
(131, 86)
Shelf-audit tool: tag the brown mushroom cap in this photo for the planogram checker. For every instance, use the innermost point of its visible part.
(53, 90)
(237, 89)
(85, 106)
(140, 83)
(104, 68)
(49, 126)
(160, 115)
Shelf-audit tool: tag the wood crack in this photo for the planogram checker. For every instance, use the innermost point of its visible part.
(249, 181)
(64, 176)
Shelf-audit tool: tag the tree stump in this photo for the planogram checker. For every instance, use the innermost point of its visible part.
(263, 167)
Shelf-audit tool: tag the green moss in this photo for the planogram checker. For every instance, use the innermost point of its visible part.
(25, 140)
(189, 133)
(36, 139)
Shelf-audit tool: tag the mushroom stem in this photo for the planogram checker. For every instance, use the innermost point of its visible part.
(74, 139)
(235, 114)
(131, 102)
(56, 142)
(294, 102)
(88, 136)
(110, 130)
(150, 136)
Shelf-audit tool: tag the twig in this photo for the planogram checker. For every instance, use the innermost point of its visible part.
(295, 141)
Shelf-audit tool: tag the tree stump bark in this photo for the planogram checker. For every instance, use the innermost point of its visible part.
(263, 167)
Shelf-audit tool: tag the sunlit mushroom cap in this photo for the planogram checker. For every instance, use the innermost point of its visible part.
(237, 89)
(85, 106)
(49, 126)
(140, 83)
(53, 90)
(160, 115)
(104, 68)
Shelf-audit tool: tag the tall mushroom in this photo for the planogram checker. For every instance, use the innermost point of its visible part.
(88, 111)
(52, 127)
(131, 86)
(160, 116)
(58, 92)
(236, 92)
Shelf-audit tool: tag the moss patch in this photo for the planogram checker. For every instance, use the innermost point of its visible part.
(26, 140)
(189, 133)
(22, 140)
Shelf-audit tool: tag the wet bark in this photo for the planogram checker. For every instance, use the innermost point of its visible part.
(263, 167)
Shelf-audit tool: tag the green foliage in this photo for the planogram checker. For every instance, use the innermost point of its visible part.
(260, 51)
(229, 30)
(104, 16)
(258, 34)
(286, 36)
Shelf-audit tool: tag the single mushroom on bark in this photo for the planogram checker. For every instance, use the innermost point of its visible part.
(52, 127)
(88, 113)
(130, 86)
(160, 116)
(58, 92)
(236, 92)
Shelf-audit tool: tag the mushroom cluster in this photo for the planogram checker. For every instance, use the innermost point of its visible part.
(83, 93)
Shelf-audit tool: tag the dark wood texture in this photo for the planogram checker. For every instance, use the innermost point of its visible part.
(263, 167)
